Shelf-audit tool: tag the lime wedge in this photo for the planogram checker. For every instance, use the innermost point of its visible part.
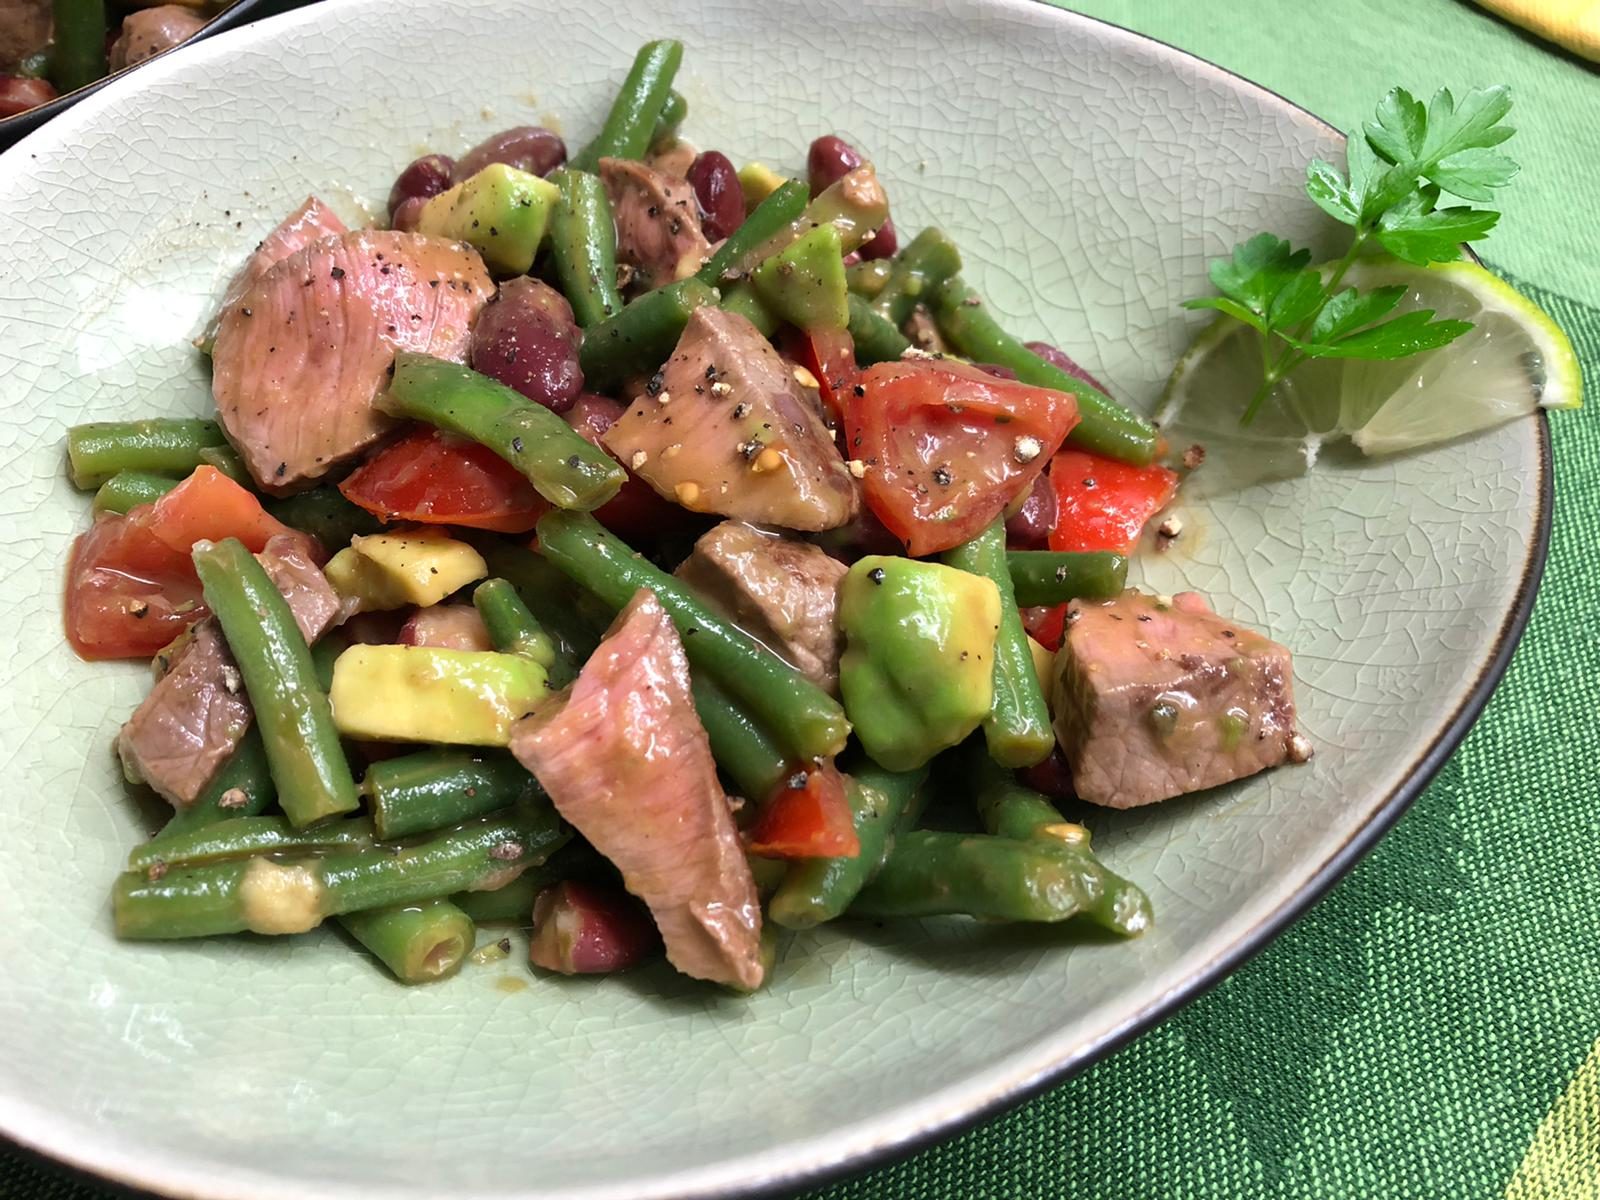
(1513, 361)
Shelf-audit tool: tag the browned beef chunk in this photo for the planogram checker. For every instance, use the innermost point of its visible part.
(658, 222)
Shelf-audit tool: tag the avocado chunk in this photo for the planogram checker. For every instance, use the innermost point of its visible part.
(757, 181)
(392, 570)
(501, 211)
(804, 283)
(917, 675)
(426, 694)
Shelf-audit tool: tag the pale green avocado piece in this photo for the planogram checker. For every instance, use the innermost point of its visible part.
(409, 567)
(426, 694)
(917, 674)
(501, 211)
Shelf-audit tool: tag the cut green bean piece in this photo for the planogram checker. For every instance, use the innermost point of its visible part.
(574, 617)
(78, 55)
(746, 752)
(1104, 426)
(1017, 729)
(419, 943)
(514, 902)
(796, 711)
(308, 764)
(563, 467)
(241, 788)
(583, 247)
(127, 490)
(1055, 576)
(226, 459)
(639, 338)
(673, 114)
(815, 890)
(325, 653)
(326, 515)
(774, 215)
(160, 445)
(242, 837)
(877, 339)
(638, 106)
(919, 269)
(513, 628)
(868, 277)
(434, 789)
(293, 895)
(743, 299)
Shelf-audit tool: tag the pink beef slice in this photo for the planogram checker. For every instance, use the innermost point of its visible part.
(197, 713)
(781, 591)
(627, 763)
(301, 356)
(1153, 699)
(658, 222)
(701, 432)
(311, 222)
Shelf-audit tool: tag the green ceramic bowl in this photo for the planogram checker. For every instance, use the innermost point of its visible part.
(1088, 173)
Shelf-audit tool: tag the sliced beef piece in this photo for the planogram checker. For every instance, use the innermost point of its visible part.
(311, 222)
(625, 759)
(197, 712)
(674, 158)
(447, 627)
(146, 32)
(1153, 699)
(658, 222)
(24, 31)
(726, 428)
(303, 352)
(782, 592)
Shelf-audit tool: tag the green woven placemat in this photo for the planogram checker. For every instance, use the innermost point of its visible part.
(1432, 1028)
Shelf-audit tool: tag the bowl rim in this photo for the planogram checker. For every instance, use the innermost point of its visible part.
(762, 1177)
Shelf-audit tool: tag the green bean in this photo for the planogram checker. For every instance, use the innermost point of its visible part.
(771, 217)
(433, 789)
(162, 445)
(242, 837)
(877, 339)
(308, 764)
(799, 713)
(1017, 728)
(673, 114)
(868, 277)
(815, 890)
(929, 260)
(743, 299)
(226, 459)
(639, 338)
(292, 895)
(1104, 426)
(1054, 576)
(638, 106)
(326, 515)
(583, 247)
(242, 787)
(745, 751)
(127, 490)
(515, 630)
(563, 467)
(325, 653)
(78, 56)
(419, 943)
(514, 902)
(574, 618)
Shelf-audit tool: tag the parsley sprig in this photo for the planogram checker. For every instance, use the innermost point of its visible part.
(1399, 167)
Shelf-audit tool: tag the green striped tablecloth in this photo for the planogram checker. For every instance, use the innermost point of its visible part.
(1432, 1028)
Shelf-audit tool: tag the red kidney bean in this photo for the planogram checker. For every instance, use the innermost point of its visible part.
(636, 510)
(1029, 527)
(531, 148)
(408, 215)
(1059, 358)
(716, 187)
(18, 94)
(1052, 777)
(527, 339)
(884, 243)
(829, 160)
(422, 180)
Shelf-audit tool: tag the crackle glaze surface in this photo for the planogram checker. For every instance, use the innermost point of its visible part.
(1087, 174)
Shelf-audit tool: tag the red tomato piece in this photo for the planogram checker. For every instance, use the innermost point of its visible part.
(128, 592)
(1102, 504)
(207, 507)
(830, 356)
(809, 821)
(436, 479)
(947, 447)
(1046, 624)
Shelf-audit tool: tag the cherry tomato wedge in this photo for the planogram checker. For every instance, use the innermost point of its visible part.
(1102, 504)
(1046, 624)
(947, 447)
(637, 510)
(830, 356)
(436, 479)
(207, 507)
(809, 821)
